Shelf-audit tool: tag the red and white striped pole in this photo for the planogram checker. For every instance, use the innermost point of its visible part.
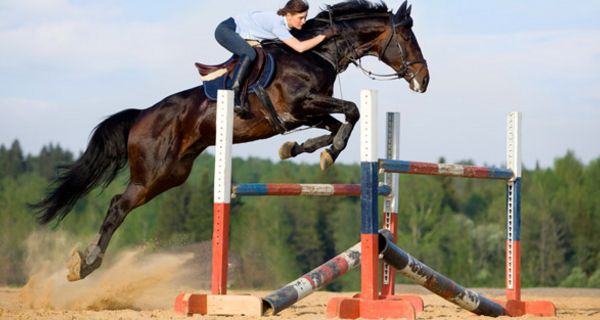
(222, 191)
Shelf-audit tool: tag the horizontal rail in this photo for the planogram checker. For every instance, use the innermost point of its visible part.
(442, 169)
(288, 189)
(312, 281)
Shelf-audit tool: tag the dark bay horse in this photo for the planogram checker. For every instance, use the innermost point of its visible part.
(160, 143)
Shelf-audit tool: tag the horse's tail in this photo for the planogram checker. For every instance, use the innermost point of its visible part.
(102, 160)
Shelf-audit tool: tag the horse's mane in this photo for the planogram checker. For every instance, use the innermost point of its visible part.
(352, 7)
(349, 7)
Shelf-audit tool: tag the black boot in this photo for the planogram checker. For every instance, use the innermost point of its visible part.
(243, 68)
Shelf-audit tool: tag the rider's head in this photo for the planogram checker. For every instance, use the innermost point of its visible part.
(295, 12)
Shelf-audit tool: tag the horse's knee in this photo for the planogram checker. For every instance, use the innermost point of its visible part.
(351, 112)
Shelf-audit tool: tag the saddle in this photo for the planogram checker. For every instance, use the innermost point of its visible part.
(220, 76)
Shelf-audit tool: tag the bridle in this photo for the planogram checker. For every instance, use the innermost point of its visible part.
(403, 72)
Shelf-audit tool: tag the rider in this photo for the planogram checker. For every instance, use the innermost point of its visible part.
(263, 25)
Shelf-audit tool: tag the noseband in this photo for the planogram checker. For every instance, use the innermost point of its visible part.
(403, 72)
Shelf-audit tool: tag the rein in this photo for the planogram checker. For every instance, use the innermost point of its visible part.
(404, 71)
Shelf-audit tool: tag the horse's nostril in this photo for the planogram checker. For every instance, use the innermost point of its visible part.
(426, 81)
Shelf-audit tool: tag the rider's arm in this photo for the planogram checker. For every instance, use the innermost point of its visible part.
(305, 45)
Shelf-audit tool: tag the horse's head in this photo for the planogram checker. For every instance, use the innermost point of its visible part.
(366, 28)
(399, 49)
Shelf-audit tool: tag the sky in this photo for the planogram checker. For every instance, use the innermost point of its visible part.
(65, 65)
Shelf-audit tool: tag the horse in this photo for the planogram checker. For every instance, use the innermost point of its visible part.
(161, 142)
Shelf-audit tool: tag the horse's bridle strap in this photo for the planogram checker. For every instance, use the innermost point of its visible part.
(405, 68)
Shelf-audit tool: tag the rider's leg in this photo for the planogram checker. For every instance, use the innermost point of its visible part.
(227, 37)
(243, 68)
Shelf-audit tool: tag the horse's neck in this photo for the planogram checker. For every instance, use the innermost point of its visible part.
(340, 52)
(334, 52)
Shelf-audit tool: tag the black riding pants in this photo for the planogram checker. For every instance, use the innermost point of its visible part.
(232, 41)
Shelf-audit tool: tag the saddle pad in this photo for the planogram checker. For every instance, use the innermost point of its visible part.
(225, 82)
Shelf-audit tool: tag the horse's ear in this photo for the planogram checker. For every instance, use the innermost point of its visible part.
(401, 11)
(408, 10)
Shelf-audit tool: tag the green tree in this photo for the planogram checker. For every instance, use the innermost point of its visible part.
(576, 279)
(449, 198)
(12, 161)
(186, 214)
(50, 159)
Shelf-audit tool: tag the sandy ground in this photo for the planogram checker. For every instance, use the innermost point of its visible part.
(138, 285)
(14, 304)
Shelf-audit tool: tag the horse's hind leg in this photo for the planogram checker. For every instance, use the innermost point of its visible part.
(292, 148)
(157, 180)
(83, 263)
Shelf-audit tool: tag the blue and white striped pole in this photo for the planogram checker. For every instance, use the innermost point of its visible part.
(513, 208)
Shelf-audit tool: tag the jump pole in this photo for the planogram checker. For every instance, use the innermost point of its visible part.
(310, 189)
(390, 204)
(326, 273)
(390, 213)
(218, 302)
(369, 304)
(436, 282)
(513, 304)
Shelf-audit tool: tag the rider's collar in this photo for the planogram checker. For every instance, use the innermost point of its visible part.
(286, 23)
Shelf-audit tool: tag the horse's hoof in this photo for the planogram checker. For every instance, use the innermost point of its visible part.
(80, 265)
(326, 160)
(74, 265)
(286, 149)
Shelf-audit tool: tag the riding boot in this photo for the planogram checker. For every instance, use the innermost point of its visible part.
(243, 68)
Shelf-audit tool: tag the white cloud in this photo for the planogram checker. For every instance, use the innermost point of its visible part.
(92, 38)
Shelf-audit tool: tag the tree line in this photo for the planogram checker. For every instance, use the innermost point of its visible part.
(457, 226)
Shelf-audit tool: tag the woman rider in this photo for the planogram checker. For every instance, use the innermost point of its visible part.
(263, 25)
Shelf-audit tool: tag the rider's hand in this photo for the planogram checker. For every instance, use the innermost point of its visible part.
(331, 32)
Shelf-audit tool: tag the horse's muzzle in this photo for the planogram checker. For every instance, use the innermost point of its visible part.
(419, 84)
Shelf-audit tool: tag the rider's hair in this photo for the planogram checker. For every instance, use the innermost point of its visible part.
(293, 6)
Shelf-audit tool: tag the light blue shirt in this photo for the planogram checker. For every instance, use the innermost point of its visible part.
(262, 25)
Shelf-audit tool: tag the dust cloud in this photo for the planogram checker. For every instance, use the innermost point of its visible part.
(134, 279)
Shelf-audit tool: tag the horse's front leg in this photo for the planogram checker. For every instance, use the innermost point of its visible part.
(322, 104)
(292, 148)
